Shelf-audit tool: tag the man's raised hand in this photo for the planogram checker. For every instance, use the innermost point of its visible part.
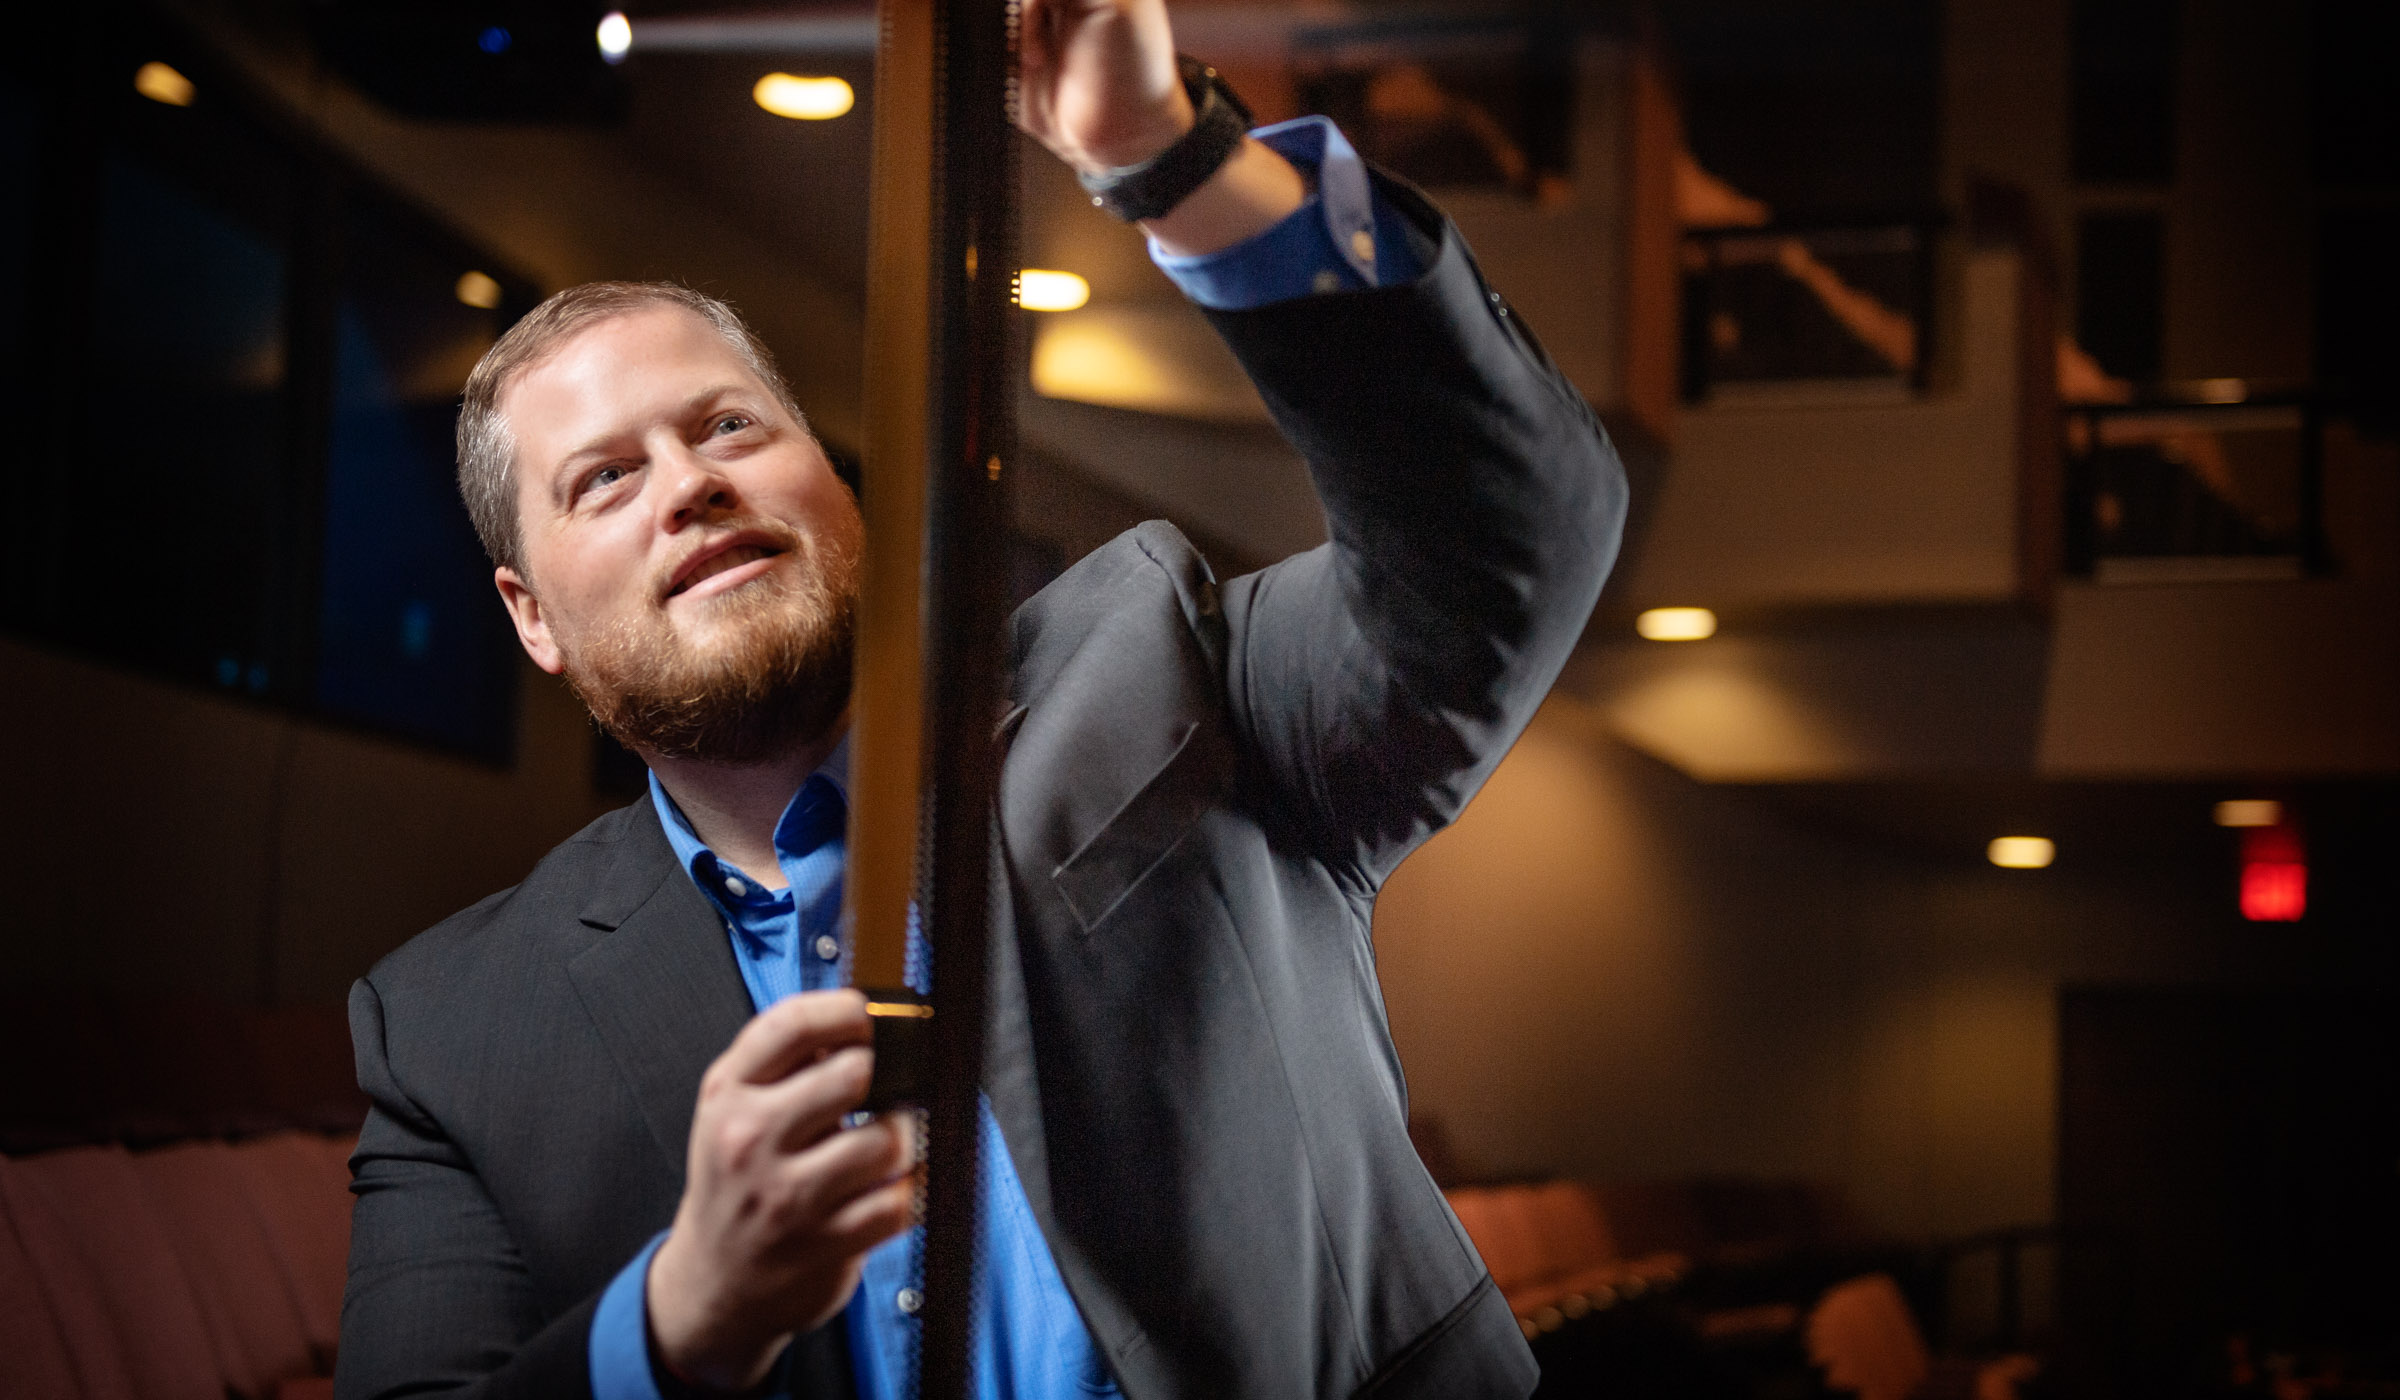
(1097, 83)
(780, 1203)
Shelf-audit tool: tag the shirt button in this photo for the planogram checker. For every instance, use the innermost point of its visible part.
(909, 1300)
(735, 887)
(828, 947)
(1363, 244)
(1326, 281)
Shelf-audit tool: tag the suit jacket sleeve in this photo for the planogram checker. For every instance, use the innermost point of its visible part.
(438, 1300)
(1473, 507)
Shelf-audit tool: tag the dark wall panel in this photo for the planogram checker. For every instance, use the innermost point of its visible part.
(2225, 1170)
(2123, 90)
(2120, 291)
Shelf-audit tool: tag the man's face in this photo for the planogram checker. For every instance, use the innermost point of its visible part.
(690, 559)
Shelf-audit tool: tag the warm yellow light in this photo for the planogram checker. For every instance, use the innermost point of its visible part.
(160, 83)
(1676, 624)
(1039, 289)
(1154, 360)
(2222, 390)
(478, 290)
(615, 36)
(2021, 852)
(2249, 812)
(1096, 364)
(803, 99)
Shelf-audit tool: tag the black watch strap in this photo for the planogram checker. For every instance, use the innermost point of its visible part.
(1150, 189)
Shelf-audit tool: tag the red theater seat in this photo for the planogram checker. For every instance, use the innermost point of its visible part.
(125, 1307)
(1573, 1233)
(37, 1365)
(1499, 1231)
(299, 1183)
(249, 1299)
(1863, 1337)
(1553, 1249)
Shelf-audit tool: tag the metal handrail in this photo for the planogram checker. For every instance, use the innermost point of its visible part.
(2088, 432)
(1707, 263)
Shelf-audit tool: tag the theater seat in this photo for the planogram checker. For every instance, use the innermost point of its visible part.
(1553, 1252)
(1654, 1217)
(1863, 1337)
(299, 1183)
(37, 1366)
(248, 1297)
(1574, 1236)
(1496, 1227)
(125, 1308)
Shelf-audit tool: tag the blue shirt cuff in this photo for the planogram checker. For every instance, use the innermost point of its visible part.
(1343, 239)
(620, 1345)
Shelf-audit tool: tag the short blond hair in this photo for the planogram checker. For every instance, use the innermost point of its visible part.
(487, 478)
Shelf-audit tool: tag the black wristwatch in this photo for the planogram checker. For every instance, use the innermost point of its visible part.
(1150, 189)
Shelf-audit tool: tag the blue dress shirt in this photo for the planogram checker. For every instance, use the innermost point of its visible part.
(1030, 1341)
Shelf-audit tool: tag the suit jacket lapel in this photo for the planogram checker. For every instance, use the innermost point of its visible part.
(1008, 1069)
(1011, 1079)
(661, 985)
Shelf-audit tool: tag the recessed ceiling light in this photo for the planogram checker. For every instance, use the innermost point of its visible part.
(2021, 852)
(160, 83)
(802, 99)
(615, 36)
(1676, 624)
(478, 289)
(1040, 289)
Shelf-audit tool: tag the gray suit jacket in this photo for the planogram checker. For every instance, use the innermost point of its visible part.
(1203, 790)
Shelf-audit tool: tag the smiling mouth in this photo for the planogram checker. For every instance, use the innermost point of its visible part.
(718, 563)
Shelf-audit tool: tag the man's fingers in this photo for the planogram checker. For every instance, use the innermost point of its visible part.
(870, 1218)
(849, 1164)
(791, 1033)
(806, 1105)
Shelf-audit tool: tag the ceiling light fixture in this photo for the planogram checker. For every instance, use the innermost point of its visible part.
(615, 36)
(1039, 289)
(478, 289)
(2249, 811)
(803, 99)
(2021, 852)
(160, 83)
(1676, 624)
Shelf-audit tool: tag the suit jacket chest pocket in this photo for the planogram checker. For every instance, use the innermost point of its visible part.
(1130, 844)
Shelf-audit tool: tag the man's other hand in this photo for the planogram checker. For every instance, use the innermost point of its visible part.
(780, 1202)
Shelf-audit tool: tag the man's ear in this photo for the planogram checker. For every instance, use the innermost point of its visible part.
(525, 610)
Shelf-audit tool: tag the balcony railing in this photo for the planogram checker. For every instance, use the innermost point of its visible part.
(2182, 492)
(1844, 308)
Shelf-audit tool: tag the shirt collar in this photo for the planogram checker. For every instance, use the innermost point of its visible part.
(693, 854)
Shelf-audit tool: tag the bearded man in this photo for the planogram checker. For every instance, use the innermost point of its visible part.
(613, 1149)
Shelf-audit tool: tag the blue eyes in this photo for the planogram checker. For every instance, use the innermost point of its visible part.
(610, 475)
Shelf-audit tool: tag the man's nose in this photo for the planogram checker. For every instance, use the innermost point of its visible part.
(693, 488)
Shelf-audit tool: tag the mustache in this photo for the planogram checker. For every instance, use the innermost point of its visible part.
(773, 534)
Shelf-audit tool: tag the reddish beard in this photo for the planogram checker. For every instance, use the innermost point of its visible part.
(771, 673)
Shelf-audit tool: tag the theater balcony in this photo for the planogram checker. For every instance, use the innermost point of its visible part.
(1921, 562)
